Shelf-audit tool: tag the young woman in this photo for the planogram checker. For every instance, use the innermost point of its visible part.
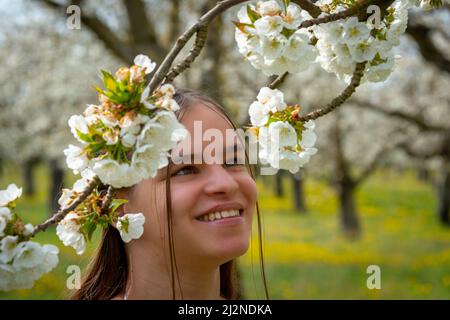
(198, 221)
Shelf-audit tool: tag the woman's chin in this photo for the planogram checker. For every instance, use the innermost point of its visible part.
(230, 249)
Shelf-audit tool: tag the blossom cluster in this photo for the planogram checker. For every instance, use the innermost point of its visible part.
(284, 141)
(79, 224)
(267, 35)
(22, 262)
(127, 137)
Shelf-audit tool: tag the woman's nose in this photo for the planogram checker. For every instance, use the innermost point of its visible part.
(219, 180)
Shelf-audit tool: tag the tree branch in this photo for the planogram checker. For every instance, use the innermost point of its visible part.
(339, 100)
(312, 9)
(164, 67)
(278, 81)
(422, 36)
(141, 31)
(117, 46)
(200, 41)
(57, 217)
(415, 120)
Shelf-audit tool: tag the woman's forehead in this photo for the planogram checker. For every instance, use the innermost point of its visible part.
(208, 115)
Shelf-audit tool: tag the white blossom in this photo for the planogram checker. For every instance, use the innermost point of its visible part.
(287, 137)
(68, 232)
(131, 226)
(27, 254)
(76, 159)
(10, 194)
(78, 123)
(271, 99)
(258, 114)
(7, 246)
(144, 62)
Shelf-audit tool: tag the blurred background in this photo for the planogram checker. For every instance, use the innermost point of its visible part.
(377, 192)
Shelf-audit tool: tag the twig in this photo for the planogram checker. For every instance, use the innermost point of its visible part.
(184, 38)
(57, 217)
(200, 41)
(279, 80)
(336, 102)
(312, 9)
(107, 200)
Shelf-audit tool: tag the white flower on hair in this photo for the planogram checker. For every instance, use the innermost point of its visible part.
(27, 254)
(78, 123)
(68, 232)
(117, 174)
(5, 216)
(7, 247)
(10, 194)
(111, 137)
(143, 61)
(131, 226)
(27, 262)
(144, 99)
(128, 140)
(76, 159)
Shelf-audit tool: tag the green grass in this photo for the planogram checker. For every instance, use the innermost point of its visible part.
(306, 255)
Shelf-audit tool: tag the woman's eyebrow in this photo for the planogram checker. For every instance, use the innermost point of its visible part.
(237, 147)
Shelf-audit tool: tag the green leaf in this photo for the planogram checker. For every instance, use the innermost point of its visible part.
(84, 136)
(288, 32)
(115, 204)
(109, 81)
(241, 26)
(252, 14)
(88, 228)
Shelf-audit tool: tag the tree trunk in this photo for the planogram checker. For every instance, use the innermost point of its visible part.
(56, 184)
(349, 217)
(444, 197)
(299, 195)
(28, 177)
(279, 190)
(423, 174)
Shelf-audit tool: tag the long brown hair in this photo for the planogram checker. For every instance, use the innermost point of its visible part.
(108, 271)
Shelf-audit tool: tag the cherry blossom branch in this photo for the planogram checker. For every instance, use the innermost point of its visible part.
(312, 9)
(336, 102)
(200, 42)
(204, 21)
(57, 217)
(277, 81)
(358, 7)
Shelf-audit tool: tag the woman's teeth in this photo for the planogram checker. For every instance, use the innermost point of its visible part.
(219, 215)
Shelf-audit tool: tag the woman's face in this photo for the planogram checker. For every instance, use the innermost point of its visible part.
(203, 195)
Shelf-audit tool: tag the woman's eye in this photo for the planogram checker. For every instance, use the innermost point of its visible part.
(184, 171)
